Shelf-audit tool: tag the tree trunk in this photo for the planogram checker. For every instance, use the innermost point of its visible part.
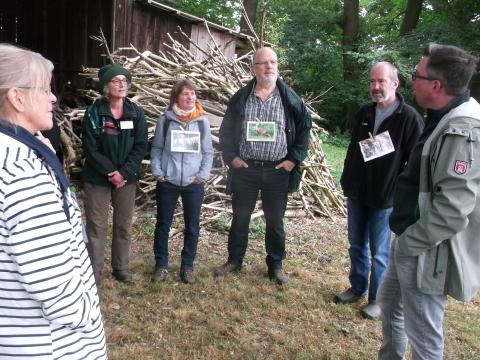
(412, 14)
(351, 29)
(251, 9)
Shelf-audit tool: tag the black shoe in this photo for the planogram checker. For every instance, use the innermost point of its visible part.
(278, 276)
(122, 276)
(187, 276)
(226, 268)
(348, 296)
(160, 275)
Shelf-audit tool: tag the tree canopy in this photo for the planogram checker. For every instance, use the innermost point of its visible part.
(318, 42)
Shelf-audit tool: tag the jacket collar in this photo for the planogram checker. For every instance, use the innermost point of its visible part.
(104, 108)
(43, 151)
(434, 116)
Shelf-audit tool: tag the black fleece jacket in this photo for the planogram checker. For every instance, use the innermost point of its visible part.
(372, 183)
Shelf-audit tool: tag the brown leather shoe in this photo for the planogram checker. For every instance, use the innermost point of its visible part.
(160, 275)
(187, 276)
(226, 268)
(278, 276)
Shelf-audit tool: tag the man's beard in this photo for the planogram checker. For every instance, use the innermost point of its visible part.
(267, 80)
(379, 97)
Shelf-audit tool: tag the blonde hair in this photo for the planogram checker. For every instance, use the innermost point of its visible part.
(22, 68)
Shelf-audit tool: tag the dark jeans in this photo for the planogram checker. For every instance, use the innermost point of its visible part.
(273, 185)
(167, 196)
(368, 229)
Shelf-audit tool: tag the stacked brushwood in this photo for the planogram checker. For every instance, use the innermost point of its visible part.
(216, 79)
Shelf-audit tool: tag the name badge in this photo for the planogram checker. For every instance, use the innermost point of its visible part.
(261, 131)
(376, 146)
(185, 141)
(127, 124)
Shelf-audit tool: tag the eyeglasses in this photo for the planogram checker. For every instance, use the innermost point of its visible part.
(271, 62)
(415, 76)
(46, 90)
(118, 82)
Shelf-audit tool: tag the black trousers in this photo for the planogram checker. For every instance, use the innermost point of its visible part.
(273, 186)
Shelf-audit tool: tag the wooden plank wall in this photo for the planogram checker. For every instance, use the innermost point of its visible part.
(145, 27)
(60, 30)
(200, 36)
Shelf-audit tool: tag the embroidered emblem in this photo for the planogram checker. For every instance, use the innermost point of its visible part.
(460, 167)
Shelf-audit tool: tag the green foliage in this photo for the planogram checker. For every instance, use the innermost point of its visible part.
(257, 227)
(222, 223)
(146, 227)
(308, 38)
(226, 13)
(335, 146)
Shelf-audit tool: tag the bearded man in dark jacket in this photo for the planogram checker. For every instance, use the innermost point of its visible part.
(384, 133)
(264, 137)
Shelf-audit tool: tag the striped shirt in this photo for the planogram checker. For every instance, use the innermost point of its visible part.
(49, 306)
(268, 110)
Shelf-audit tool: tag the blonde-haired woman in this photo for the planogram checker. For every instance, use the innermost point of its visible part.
(49, 307)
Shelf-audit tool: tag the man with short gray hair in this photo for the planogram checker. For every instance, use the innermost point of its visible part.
(264, 137)
(436, 210)
(383, 135)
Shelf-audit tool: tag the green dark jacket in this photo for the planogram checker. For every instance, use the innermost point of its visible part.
(298, 125)
(110, 144)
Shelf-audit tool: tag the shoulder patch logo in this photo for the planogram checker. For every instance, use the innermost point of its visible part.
(460, 167)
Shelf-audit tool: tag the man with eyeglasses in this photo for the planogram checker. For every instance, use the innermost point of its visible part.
(384, 133)
(436, 210)
(264, 137)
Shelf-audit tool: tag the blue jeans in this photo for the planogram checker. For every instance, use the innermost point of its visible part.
(367, 229)
(246, 184)
(408, 313)
(167, 195)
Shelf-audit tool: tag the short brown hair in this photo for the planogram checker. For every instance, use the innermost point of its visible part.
(178, 88)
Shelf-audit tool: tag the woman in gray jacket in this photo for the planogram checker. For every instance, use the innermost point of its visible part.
(181, 158)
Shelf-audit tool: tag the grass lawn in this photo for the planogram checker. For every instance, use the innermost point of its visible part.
(335, 148)
(245, 316)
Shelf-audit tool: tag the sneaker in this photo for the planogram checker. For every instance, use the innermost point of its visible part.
(187, 276)
(226, 268)
(160, 274)
(122, 276)
(348, 296)
(278, 276)
(371, 311)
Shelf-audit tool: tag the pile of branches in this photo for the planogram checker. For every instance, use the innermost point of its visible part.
(216, 79)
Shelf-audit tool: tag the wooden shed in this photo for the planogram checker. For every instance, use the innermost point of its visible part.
(60, 30)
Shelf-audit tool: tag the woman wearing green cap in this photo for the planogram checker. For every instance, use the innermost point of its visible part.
(115, 143)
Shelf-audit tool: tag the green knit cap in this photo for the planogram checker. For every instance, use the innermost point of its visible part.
(106, 73)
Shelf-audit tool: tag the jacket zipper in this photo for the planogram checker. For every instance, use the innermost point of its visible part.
(181, 171)
(435, 272)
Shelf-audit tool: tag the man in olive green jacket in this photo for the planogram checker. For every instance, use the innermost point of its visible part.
(264, 137)
(436, 210)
